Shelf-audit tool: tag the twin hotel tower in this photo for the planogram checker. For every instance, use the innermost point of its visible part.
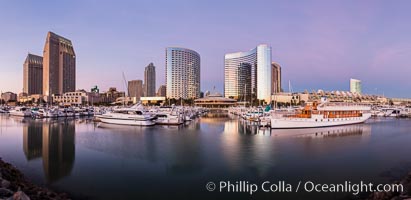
(55, 72)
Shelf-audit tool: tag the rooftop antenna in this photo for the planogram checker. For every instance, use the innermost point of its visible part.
(290, 89)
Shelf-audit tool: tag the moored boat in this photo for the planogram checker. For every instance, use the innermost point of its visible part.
(169, 116)
(168, 119)
(21, 112)
(323, 115)
(134, 116)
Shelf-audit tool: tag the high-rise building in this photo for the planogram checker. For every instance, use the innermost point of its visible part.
(150, 80)
(259, 60)
(264, 73)
(33, 75)
(182, 73)
(135, 89)
(355, 86)
(59, 65)
(233, 62)
(275, 78)
(162, 91)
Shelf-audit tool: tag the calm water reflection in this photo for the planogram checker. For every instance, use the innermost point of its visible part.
(110, 161)
(52, 141)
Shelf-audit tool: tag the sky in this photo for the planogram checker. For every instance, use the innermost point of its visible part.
(319, 44)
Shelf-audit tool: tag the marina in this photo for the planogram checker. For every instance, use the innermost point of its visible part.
(324, 114)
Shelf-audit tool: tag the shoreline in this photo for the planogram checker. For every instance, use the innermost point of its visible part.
(14, 185)
(404, 195)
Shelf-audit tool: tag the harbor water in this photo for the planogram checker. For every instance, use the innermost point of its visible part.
(90, 160)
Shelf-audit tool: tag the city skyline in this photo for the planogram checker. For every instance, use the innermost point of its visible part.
(357, 40)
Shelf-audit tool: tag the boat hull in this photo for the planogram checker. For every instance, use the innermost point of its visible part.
(20, 114)
(129, 122)
(289, 123)
(168, 122)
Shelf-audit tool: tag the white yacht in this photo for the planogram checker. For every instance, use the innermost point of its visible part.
(21, 112)
(47, 113)
(323, 115)
(134, 116)
(169, 116)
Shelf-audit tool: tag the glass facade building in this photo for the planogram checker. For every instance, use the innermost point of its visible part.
(355, 86)
(236, 67)
(182, 73)
(259, 83)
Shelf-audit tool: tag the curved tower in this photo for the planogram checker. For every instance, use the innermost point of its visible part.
(236, 83)
(240, 75)
(182, 73)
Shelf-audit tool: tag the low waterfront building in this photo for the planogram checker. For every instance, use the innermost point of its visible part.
(77, 98)
(124, 100)
(343, 96)
(401, 101)
(111, 95)
(290, 98)
(24, 98)
(9, 97)
(337, 96)
(215, 100)
(153, 100)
